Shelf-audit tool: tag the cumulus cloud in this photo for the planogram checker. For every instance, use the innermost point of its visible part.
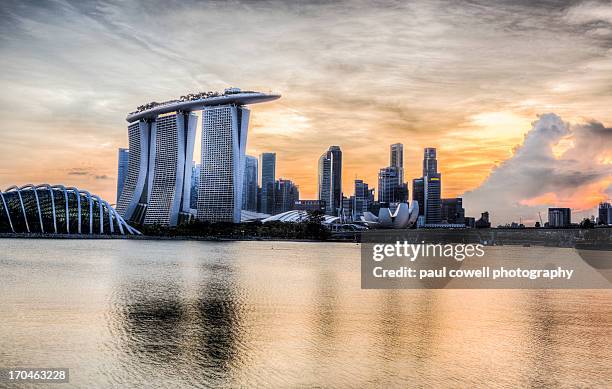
(557, 165)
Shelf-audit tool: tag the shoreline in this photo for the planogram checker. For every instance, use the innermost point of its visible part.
(570, 238)
(153, 237)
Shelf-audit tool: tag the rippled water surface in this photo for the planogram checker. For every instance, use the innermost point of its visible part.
(268, 314)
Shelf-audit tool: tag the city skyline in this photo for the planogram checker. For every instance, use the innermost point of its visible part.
(386, 74)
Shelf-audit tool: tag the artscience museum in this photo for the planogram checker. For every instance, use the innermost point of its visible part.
(404, 216)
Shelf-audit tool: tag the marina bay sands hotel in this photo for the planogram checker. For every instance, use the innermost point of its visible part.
(157, 188)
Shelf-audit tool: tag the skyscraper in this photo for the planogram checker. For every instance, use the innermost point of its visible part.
(330, 179)
(433, 203)
(161, 141)
(122, 170)
(418, 194)
(195, 184)
(559, 217)
(430, 163)
(170, 194)
(285, 196)
(157, 188)
(390, 187)
(268, 177)
(605, 214)
(361, 199)
(249, 189)
(396, 158)
(432, 182)
(224, 135)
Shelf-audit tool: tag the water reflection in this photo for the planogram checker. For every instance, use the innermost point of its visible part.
(161, 323)
(258, 314)
(220, 324)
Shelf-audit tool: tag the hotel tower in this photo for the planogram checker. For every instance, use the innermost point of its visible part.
(157, 188)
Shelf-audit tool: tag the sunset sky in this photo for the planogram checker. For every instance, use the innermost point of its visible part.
(516, 95)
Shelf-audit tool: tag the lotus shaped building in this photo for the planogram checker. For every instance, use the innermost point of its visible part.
(404, 217)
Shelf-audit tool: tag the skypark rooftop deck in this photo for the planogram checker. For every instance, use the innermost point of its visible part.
(197, 101)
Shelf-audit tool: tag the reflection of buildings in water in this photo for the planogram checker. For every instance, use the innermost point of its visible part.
(164, 326)
(146, 323)
(219, 332)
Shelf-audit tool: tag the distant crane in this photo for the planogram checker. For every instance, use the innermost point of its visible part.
(540, 215)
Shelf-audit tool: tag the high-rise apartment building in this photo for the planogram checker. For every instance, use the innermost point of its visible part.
(330, 179)
(122, 169)
(267, 162)
(250, 182)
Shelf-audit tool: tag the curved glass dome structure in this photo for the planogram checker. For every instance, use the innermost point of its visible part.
(57, 209)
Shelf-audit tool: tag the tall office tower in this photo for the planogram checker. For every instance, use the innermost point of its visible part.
(195, 184)
(249, 187)
(605, 214)
(330, 179)
(432, 187)
(259, 202)
(268, 177)
(452, 211)
(559, 217)
(224, 136)
(157, 188)
(432, 196)
(418, 194)
(388, 181)
(430, 163)
(347, 208)
(361, 199)
(286, 194)
(391, 189)
(396, 158)
(122, 170)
